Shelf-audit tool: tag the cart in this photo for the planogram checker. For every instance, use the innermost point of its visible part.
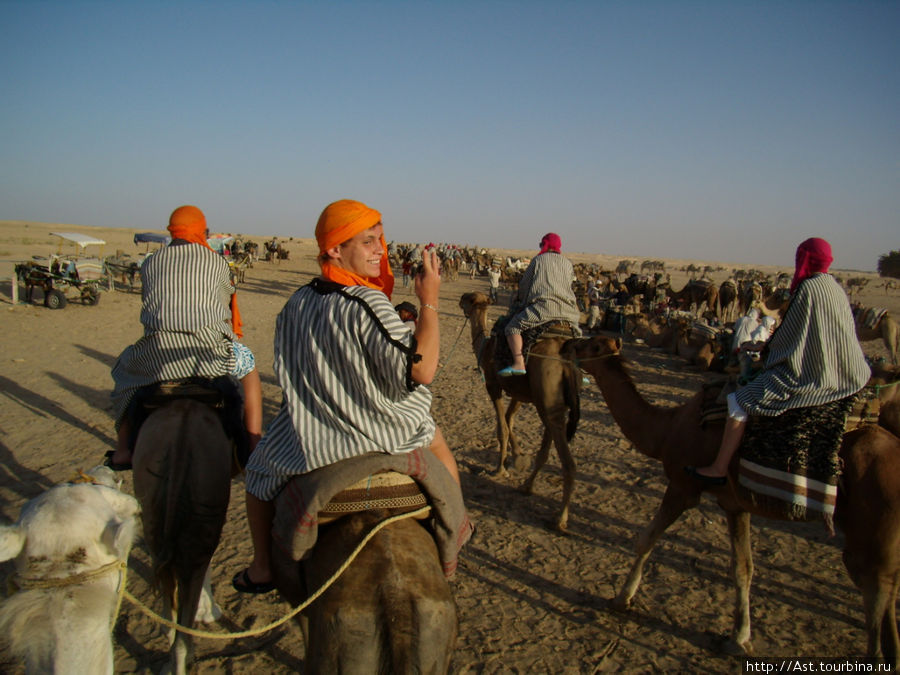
(63, 277)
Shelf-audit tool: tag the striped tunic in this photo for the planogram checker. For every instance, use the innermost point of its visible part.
(814, 356)
(545, 294)
(344, 361)
(186, 292)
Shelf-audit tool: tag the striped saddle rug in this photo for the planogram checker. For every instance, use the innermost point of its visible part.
(789, 464)
(530, 337)
(351, 485)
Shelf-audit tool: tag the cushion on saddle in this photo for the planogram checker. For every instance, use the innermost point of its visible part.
(872, 316)
(393, 491)
(789, 463)
(297, 507)
(530, 336)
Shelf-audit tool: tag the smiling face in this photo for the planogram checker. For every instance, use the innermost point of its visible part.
(360, 254)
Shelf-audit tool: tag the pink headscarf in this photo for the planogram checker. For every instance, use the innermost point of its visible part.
(551, 242)
(813, 256)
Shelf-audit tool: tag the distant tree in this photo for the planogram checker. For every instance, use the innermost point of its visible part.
(889, 265)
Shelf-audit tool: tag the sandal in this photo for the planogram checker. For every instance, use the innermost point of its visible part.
(243, 583)
(115, 466)
(711, 481)
(509, 371)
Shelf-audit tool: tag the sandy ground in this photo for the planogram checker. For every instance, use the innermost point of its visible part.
(529, 600)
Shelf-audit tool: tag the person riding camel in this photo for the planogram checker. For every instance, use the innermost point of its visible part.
(814, 357)
(351, 371)
(192, 328)
(545, 295)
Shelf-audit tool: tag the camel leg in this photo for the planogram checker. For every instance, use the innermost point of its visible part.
(514, 451)
(890, 640)
(539, 461)
(879, 593)
(568, 469)
(672, 506)
(503, 434)
(742, 572)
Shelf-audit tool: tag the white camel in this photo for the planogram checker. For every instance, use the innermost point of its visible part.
(70, 546)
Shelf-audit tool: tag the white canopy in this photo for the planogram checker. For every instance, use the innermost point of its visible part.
(81, 239)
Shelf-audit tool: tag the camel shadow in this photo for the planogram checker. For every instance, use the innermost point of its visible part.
(19, 480)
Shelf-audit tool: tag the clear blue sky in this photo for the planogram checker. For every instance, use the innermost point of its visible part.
(710, 130)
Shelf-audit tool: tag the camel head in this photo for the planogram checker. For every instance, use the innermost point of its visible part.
(469, 302)
(585, 350)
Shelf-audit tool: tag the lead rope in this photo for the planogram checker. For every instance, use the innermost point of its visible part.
(452, 349)
(296, 610)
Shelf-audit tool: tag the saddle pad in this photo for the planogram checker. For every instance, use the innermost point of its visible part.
(865, 409)
(873, 316)
(391, 490)
(789, 463)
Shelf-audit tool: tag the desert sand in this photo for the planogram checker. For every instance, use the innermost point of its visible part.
(529, 599)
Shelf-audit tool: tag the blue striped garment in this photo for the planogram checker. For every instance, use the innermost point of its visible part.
(186, 291)
(343, 358)
(814, 355)
(545, 294)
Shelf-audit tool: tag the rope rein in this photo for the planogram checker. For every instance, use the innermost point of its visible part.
(296, 610)
(17, 582)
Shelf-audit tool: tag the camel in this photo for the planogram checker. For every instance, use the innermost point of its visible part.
(550, 384)
(868, 507)
(391, 610)
(70, 546)
(696, 294)
(727, 301)
(182, 478)
(886, 329)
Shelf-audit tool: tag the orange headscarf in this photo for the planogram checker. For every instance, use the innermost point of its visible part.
(343, 220)
(189, 223)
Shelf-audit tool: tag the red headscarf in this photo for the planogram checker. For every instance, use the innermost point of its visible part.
(340, 221)
(551, 242)
(813, 256)
(189, 223)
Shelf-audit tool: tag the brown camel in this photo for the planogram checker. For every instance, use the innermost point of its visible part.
(182, 479)
(868, 507)
(727, 301)
(391, 610)
(695, 293)
(886, 329)
(551, 384)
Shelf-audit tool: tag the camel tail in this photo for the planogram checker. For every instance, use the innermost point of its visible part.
(178, 463)
(573, 400)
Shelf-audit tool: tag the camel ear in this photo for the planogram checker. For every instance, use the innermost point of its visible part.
(118, 536)
(12, 540)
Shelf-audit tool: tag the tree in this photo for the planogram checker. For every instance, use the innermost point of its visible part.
(889, 265)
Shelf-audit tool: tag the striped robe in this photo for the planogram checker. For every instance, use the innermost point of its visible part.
(344, 361)
(545, 294)
(186, 291)
(814, 356)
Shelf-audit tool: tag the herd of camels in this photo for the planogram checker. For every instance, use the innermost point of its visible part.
(183, 470)
(868, 508)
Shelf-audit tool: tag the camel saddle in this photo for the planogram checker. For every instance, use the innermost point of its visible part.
(317, 497)
(223, 394)
(530, 337)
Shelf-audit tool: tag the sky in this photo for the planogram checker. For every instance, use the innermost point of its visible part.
(704, 130)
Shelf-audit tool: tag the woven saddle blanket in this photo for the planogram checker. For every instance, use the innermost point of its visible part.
(872, 316)
(789, 464)
(530, 337)
(307, 501)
